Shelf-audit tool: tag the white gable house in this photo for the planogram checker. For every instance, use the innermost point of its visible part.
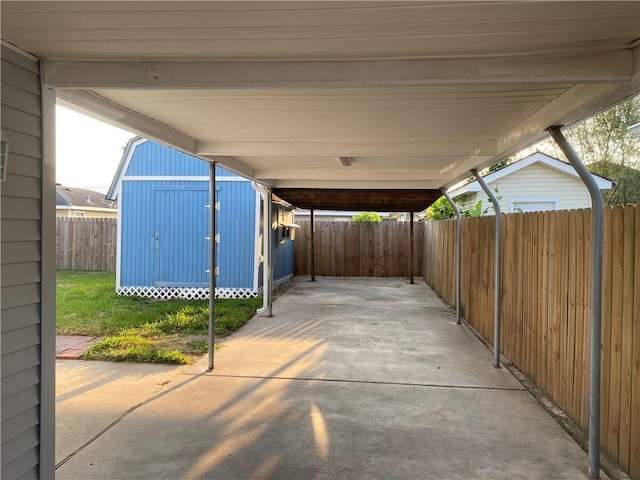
(536, 183)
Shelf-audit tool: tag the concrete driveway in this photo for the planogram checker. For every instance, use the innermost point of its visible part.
(351, 379)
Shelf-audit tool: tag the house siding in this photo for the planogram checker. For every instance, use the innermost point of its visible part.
(20, 290)
(282, 252)
(535, 181)
(282, 258)
(79, 212)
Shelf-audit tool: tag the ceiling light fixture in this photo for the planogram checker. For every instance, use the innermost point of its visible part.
(345, 161)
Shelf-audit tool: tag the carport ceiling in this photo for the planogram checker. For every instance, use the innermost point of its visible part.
(414, 94)
(379, 200)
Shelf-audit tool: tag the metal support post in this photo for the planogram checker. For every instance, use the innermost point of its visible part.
(497, 268)
(269, 250)
(313, 247)
(596, 299)
(212, 263)
(411, 248)
(458, 251)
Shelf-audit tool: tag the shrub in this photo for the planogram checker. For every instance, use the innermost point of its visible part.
(367, 217)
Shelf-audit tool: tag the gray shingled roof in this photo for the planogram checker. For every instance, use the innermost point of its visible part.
(79, 197)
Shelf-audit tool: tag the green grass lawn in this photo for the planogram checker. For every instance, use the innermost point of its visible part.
(140, 329)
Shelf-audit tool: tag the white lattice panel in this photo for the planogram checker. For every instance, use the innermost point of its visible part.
(165, 293)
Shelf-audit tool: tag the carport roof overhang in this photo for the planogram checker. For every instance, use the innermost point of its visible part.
(379, 200)
(415, 94)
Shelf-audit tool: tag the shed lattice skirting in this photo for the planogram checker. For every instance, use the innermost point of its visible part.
(165, 293)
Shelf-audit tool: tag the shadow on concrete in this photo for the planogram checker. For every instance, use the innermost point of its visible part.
(349, 379)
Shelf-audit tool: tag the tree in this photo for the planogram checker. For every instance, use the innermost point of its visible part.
(626, 182)
(607, 148)
(441, 209)
(367, 217)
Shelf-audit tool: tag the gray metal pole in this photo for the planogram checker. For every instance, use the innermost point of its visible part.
(498, 269)
(411, 248)
(212, 263)
(313, 247)
(269, 246)
(266, 249)
(458, 251)
(596, 298)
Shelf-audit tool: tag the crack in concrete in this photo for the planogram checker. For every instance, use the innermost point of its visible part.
(370, 382)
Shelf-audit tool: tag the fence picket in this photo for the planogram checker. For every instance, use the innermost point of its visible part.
(350, 249)
(86, 244)
(545, 308)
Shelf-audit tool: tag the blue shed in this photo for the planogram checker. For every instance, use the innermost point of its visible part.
(163, 227)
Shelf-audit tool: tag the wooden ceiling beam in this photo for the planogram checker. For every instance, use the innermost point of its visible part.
(381, 200)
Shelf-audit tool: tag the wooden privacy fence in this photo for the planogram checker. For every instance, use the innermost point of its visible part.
(349, 249)
(86, 244)
(545, 308)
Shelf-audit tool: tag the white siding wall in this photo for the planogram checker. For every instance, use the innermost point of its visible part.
(536, 181)
(21, 227)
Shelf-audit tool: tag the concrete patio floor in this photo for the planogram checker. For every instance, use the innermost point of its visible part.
(351, 379)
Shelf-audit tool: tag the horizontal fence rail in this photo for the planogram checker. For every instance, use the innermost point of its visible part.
(349, 249)
(545, 308)
(86, 244)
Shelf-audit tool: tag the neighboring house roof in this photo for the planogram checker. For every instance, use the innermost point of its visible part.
(80, 197)
(634, 129)
(559, 165)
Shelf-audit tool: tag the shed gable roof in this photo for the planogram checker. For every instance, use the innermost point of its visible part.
(127, 155)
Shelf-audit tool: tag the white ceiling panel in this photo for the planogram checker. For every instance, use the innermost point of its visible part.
(339, 115)
(416, 92)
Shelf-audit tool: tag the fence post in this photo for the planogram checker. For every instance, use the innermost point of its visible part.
(313, 247)
(458, 250)
(411, 248)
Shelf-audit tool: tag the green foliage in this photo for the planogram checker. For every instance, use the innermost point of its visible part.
(604, 137)
(626, 180)
(189, 319)
(441, 209)
(200, 346)
(128, 347)
(609, 149)
(140, 329)
(88, 305)
(367, 217)
(475, 211)
(501, 164)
